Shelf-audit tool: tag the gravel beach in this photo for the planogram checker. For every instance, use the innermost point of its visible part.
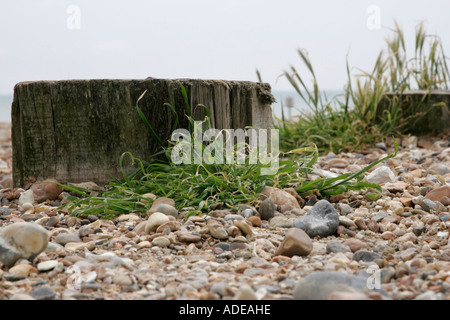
(347, 247)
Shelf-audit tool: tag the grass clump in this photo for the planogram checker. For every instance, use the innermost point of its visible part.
(198, 186)
(363, 115)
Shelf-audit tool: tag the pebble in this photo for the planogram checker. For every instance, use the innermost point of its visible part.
(335, 246)
(217, 230)
(344, 209)
(187, 237)
(381, 175)
(267, 209)
(295, 243)
(122, 280)
(26, 197)
(244, 227)
(281, 222)
(245, 292)
(47, 265)
(281, 197)
(355, 244)
(428, 205)
(161, 242)
(255, 221)
(322, 220)
(21, 240)
(46, 190)
(64, 238)
(367, 256)
(338, 163)
(167, 209)
(159, 201)
(74, 246)
(154, 221)
(22, 269)
(320, 285)
(43, 293)
(438, 194)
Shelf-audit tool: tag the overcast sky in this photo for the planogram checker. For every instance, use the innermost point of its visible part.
(60, 39)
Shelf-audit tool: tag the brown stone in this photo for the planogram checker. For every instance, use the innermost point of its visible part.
(361, 223)
(341, 230)
(159, 201)
(46, 190)
(355, 244)
(295, 243)
(187, 237)
(438, 194)
(256, 221)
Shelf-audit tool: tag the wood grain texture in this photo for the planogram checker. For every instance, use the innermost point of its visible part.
(76, 130)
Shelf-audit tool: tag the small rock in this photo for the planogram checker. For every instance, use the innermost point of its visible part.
(22, 269)
(154, 221)
(43, 293)
(281, 222)
(233, 216)
(64, 238)
(74, 246)
(157, 202)
(244, 227)
(245, 293)
(267, 209)
(428, 205)
(256, 221)
(247, 213)
(21, 240)
(187, 237)
(367, 256)
(13, 277)
(217, 231)
(321, 284)
(322, 220)
(26, 197)
(21, 296)
(122, 280)
(5, 211)
(381, 175)
(338, 163)
(47, 265)
(161, 242)
(46, 190)
(439, 169)
(167, 210)
(438, 193)
(355, 244)
(344, 209)
(335, 247)
(295, 243)
(280, 197)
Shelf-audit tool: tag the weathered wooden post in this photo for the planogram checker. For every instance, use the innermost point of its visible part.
(76, 130)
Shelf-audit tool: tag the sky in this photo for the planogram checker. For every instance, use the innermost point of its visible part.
(202, 39)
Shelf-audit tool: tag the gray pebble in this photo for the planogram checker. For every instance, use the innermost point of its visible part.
(322, 220)
(319, 285)
(267, 209)
(43, 293)
(428, 205)
(365, 255)
(5, 211)
(168, 210)
(335, 246)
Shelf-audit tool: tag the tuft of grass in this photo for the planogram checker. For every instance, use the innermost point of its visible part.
(198, 186)
(364, 114)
